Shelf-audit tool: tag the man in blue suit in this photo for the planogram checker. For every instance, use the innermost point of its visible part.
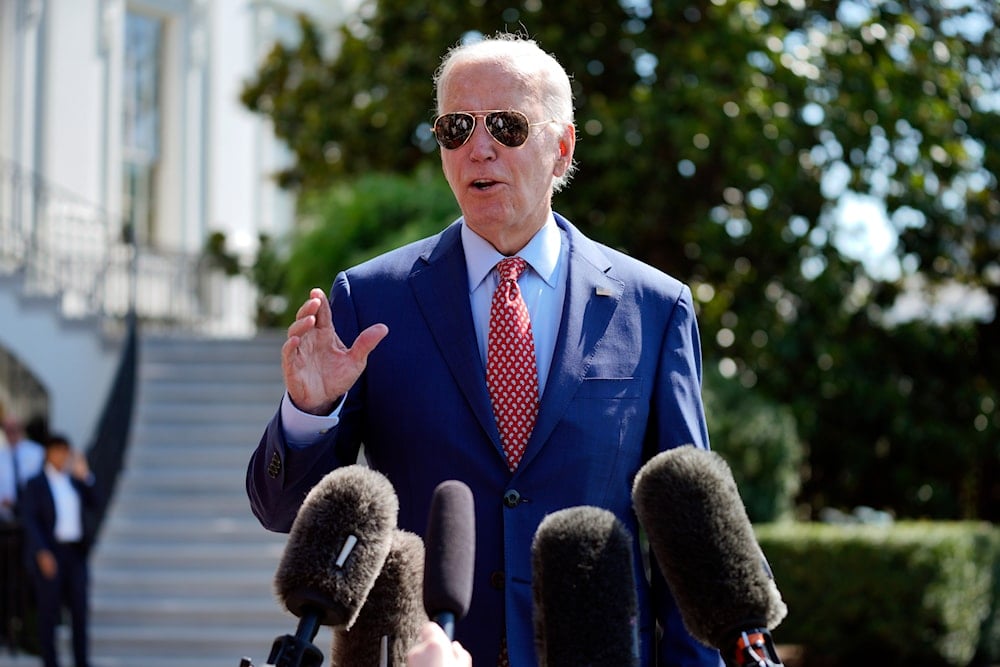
(57, 544)
(395, 359)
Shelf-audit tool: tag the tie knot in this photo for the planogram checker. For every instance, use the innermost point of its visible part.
(511, 268)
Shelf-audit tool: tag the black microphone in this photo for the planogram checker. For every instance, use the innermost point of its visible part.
(584, 590)
(449, 565)
(392, 615)
(699, 531)
(336, 548)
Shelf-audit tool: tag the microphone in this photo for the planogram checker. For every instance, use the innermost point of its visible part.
(335, 550)
(392, 615)
(451, 550)
(583, 587)
(699, 531)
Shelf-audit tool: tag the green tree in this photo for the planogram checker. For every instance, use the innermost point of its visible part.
(346, 224)
(716, 138)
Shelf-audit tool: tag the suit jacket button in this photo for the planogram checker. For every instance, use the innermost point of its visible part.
(274, 467)
(497, 580)
(512, 498)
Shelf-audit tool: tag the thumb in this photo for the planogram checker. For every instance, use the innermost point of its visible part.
(367, 340)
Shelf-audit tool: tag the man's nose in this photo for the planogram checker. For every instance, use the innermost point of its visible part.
(482, 145)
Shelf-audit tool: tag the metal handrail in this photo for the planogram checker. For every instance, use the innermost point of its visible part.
(66, 248)
(58, 246)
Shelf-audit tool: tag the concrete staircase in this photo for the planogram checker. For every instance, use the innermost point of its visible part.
(182, 575)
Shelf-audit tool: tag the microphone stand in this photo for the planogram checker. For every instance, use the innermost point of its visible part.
(295, 650)
(754, 648)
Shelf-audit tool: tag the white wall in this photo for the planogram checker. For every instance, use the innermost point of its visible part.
(68, 359)
(243, 198)
(61, 97)
(66, 57)
(72, 137)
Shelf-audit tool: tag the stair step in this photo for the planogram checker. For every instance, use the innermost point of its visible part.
(235, 435)
(133, 645)
(183, 573)
(189, 348)
(217, 390)
(192, 412)
(151, 556)
(264, 372)
(160, 504)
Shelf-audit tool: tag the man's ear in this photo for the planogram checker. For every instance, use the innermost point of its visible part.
(566, 144)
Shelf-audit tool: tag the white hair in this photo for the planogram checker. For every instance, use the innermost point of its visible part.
(529, 64)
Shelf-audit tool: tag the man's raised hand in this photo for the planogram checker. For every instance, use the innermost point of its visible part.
(317, 366)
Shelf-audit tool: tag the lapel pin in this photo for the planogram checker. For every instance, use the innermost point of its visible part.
(603, 291)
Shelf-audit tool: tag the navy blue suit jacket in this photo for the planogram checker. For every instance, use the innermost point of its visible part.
(38, 512)
(624, 385)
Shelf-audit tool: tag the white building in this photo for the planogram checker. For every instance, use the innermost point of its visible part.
(121, 116)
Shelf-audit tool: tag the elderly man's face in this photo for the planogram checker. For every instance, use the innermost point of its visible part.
(504, 193)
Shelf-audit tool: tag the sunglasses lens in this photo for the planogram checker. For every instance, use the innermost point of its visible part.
(510, 128)
(453, 129)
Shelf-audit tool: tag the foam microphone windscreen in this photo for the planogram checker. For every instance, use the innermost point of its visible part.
(699, 532)
(584, 590)
(338, 542)
(449, 565)
(391, 617)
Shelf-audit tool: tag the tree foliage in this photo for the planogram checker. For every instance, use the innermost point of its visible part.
(716, 138)
(346, 224)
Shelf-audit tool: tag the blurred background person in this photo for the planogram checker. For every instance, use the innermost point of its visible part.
(57, 546)
(21, 458)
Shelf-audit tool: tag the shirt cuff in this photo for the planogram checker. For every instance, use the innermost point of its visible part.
(303, 429)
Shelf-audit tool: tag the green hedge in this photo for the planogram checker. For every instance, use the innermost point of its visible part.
(913, 593)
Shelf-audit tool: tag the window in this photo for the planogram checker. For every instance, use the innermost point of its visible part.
(141, 122)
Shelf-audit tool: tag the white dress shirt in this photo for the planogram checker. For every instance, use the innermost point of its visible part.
(543, 288)
(30, 459)
(25, 459)
(69, 518)
(8, 492)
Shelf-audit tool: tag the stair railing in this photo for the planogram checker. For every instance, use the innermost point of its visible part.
(57, 245)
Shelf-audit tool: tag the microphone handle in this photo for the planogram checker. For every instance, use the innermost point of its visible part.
(446, 619)
(298, 650)
(753, 648)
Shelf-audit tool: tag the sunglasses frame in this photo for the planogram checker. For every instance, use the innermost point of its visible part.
(476, 115)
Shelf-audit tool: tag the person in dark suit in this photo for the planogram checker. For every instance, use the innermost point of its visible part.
(56, 545)
(402, 359)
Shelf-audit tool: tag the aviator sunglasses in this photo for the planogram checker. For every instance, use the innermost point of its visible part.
(509, 128)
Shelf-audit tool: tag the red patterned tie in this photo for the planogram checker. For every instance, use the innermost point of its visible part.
(511, 373)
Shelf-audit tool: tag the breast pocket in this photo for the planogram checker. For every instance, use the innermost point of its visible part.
(600, 437)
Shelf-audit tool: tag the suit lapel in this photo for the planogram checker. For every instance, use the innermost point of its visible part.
(592, 296)
(440, 287)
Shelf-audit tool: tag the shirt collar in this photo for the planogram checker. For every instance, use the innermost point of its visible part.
(541, 254)
(54, 474)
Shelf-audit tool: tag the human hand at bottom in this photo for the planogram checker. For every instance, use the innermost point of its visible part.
(47, 564)
(433, 649)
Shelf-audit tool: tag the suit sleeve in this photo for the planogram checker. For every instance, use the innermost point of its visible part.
(279, 475)
(35, 534)
(679, 419)
(679, 415)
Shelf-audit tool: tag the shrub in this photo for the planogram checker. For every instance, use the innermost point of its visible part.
(357, 220)
(913, 593)
(759, 440)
